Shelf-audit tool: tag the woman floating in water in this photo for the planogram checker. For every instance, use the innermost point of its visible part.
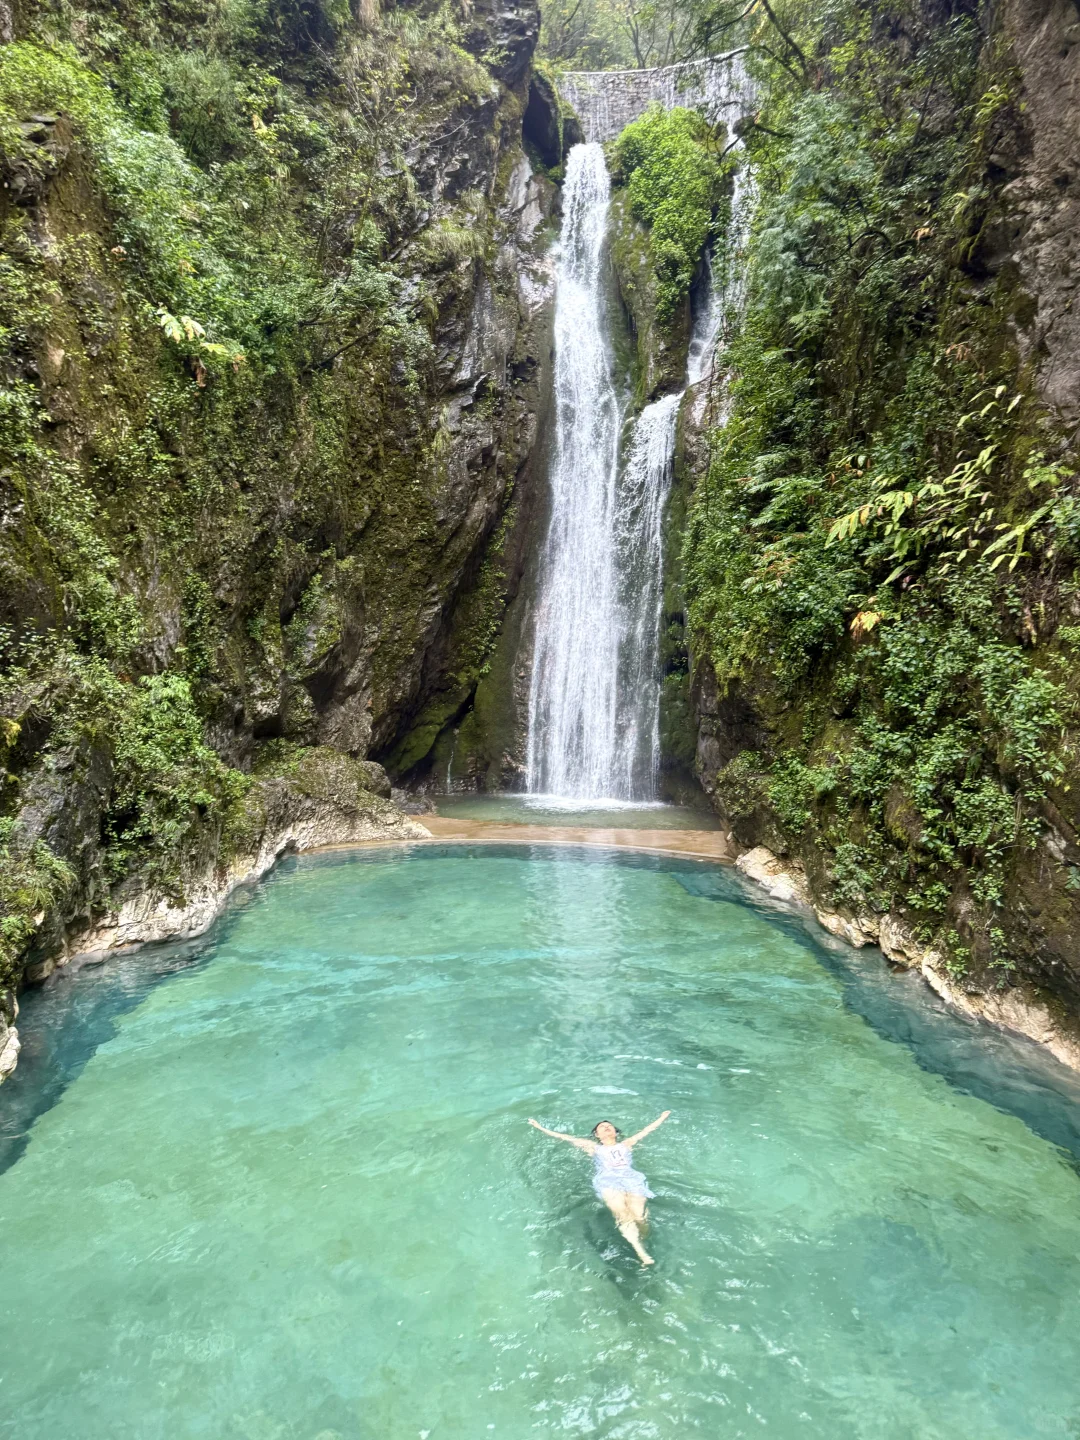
(622, 1188)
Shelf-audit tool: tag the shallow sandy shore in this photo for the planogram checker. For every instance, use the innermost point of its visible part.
(701, 844)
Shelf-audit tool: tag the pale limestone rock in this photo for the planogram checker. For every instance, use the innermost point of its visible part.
(782, 882)
(855, 932)
(1013, 1007)
(149, 917)
(897, 942)
(9, 1051)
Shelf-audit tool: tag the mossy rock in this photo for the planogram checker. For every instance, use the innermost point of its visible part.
(661, 345)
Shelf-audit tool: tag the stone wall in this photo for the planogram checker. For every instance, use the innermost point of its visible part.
(606, 101)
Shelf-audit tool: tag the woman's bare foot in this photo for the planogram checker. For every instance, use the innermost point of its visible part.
(639, 1249)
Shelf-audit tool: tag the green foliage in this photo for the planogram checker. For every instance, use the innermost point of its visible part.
(792, 789)
(674, 184)
(621, 34)
(742, 784)
(168, 778)
(32, 878)
(449, 242)
(612, 34)
(879, 527)
(218, 375)
(224, 247)
(942, 523)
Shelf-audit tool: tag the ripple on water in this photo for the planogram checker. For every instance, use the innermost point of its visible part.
(280, 1185)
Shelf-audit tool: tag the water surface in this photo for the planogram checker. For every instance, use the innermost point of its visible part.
(281, 1185)
(503, 808)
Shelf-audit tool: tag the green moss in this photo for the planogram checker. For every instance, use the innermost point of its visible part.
(674, 184)
(878, 530)
(658, 358)
(32, 880)
(741, 784)
(217, 457)
(417, 744)
(476, 628)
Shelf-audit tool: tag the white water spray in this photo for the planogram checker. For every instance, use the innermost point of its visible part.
(594, 702)
(643, 494)
(573, 699)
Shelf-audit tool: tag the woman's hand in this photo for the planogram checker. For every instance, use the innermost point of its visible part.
(535, 1123)
(633, 1140)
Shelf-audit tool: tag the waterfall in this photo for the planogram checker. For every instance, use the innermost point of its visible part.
(643, 494)
(724, 299)
(574, 692)
(706, 331)
(722, 304)
(594, 700)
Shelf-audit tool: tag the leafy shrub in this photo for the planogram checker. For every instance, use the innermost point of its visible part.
(674, 185)
(168, 777)
(878, 527)
(32, 878)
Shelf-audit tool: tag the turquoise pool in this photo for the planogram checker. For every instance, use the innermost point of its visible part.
(279, 1185)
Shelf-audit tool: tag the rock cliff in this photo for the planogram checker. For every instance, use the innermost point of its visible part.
(1043, 196)
(882, 702)
(275, 344)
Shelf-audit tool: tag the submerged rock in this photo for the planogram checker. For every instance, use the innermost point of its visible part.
(1017, 1007)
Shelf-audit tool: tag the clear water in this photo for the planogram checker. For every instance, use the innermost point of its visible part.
(550, 810)
(282, 1188)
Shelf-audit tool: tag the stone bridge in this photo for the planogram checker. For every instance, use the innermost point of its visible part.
(607, 100)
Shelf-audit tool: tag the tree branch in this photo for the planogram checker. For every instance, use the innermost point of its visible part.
(788, 41)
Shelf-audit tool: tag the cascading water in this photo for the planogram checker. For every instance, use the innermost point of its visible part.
(594, 711)
(724, 297)
(643, 496)
(574, 694)
(594, 703)
(643, 493)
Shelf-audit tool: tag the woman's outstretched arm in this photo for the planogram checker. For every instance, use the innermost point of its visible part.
(648, 1129)
(587, 1145)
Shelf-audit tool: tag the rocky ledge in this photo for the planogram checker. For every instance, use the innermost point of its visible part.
(304, 801)
(1013, 1007)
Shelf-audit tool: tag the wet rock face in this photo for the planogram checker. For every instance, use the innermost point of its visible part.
(502, 359)
(547, 125)
(1044, 196)
(503, 34)
(27, 179)
(387, 602)
(63, 805)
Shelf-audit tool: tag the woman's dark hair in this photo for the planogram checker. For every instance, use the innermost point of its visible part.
(618, 1132)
